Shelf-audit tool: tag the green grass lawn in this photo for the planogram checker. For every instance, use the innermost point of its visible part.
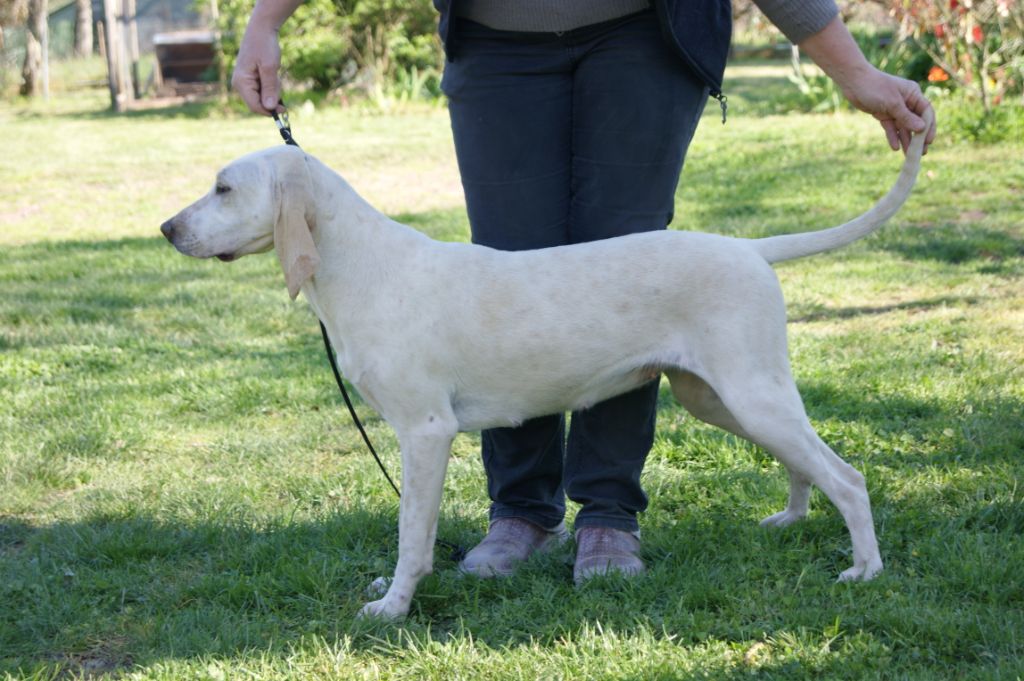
(183, 497)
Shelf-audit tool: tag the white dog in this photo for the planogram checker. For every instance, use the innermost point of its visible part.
(447, 337)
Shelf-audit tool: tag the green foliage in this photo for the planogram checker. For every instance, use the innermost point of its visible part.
(818, 93)
(964, 118)
(358, 44)
(314, 41)
(886, 50)
(962, 114)
(977, 45)
(315, 45)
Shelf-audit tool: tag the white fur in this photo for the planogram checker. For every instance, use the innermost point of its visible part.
(444, 337)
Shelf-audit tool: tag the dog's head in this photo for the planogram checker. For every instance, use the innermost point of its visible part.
(261, 201)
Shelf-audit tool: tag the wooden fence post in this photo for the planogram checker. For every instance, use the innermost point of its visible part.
(112, 30)
(133, 47)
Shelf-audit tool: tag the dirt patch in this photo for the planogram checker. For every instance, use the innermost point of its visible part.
(18, 213)
(972, 216)
(104, 660)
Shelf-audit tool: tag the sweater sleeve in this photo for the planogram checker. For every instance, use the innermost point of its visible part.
(799, 19)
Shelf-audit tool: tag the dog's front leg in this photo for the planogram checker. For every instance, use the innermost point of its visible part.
(425, 451)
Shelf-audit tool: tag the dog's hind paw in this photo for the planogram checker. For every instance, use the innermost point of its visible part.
(782, 519)
(382, 610)
(378, 587)
(861, 573)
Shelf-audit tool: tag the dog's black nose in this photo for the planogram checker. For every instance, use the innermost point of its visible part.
(168, 229)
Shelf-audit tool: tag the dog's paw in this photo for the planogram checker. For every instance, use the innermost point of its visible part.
(861, 573)
(378, 587)
(782, 519)
(382, 610)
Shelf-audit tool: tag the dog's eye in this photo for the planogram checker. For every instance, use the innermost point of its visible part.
(222, 189)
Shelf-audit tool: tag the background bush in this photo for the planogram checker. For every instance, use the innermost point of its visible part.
(976, 45)
(369, 45)
(968, 55)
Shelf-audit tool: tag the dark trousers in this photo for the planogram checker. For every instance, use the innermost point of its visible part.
(561, 139)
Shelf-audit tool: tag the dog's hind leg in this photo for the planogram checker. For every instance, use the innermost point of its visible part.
(767, 410)
(703, 403)
(425, 451)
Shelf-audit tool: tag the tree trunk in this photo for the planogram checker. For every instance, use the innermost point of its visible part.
(12, 13)
(35, 37)
(83, 28)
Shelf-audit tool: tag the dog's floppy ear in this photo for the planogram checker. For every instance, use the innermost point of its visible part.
(293, 238)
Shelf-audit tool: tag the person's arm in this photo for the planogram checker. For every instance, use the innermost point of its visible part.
(259, 57)
(897, 103)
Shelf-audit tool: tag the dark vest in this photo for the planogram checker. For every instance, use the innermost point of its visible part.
(698, 30)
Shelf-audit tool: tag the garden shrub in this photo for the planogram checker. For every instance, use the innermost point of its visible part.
(976, 45)
(362, 44)
(976, 74)
(968, 54)
(964, 119)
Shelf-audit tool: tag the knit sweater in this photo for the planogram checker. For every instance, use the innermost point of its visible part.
(797, 19)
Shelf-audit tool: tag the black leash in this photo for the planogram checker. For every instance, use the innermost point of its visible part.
(285, 128)
(457, 552)
(352, 409)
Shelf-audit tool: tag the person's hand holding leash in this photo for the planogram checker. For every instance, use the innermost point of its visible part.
(256, 76)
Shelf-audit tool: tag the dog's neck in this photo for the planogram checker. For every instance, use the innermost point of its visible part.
(364, 249)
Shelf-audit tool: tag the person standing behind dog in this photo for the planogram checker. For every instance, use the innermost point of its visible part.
(571, 120)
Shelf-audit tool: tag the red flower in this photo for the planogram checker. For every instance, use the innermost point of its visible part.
(977, 34)
(940, 31)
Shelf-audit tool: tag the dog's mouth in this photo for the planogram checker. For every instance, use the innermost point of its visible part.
(226, 257)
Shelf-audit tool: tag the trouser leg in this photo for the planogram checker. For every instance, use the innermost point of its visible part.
(510, 105)
(635, 109)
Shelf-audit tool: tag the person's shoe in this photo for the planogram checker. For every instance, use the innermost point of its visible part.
(602, 550)
(510, 541)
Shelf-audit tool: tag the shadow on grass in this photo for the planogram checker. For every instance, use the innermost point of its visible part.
(138, 588)
(829, 314)
(142, 589)
(54, 283)
(956, 245)
(110, 592)
(196, 110)
(770, 191)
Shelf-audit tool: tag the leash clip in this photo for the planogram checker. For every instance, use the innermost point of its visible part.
(284, 126)
(282, 121)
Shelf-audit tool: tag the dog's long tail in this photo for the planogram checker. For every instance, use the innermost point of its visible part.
(790, 246)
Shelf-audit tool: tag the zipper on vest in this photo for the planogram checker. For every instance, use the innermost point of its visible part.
(723, 102)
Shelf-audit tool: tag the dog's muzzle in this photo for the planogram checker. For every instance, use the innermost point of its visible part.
(171, 231)
(167, 229)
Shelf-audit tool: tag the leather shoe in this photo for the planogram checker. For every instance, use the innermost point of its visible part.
(510, 541)
(602, 550)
